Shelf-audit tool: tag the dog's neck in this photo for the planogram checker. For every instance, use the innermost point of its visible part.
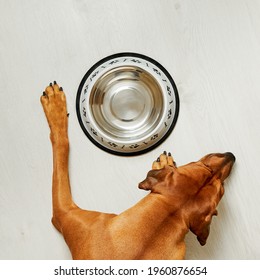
(166, 211)
(161, 220)
(154, 224)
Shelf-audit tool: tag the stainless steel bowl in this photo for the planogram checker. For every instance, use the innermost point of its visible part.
(127, 104)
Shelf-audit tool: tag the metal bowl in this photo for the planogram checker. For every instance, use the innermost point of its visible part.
(127, 104)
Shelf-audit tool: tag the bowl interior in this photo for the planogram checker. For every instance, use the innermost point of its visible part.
(126, 103)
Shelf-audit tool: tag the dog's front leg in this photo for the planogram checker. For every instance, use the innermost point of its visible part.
(54, 104)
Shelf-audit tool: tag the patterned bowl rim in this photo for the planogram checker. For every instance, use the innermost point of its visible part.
(158, 69)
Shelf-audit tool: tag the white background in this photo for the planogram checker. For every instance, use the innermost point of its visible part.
(212, 50)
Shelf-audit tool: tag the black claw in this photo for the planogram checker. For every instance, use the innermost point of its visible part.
(50, 84)
(169, 154)
(165, 153)
(44, 93)
(68, 114)
(158, 159)
(61, 89)
(55, 83)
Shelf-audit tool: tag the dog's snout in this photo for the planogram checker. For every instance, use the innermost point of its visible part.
(230, 156)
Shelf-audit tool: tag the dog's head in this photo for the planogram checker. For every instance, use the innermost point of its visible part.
(195, 189)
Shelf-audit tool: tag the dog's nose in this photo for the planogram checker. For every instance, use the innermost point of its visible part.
(230, 156)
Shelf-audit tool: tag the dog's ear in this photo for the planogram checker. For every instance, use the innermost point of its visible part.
(156, 180)
(150, 181)
(201, 226)
(204, 208)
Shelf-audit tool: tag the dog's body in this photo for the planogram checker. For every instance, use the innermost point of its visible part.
(180, 199)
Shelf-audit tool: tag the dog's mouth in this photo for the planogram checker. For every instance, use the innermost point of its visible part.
(220, 164)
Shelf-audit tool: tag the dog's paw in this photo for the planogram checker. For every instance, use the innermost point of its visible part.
(164, 160)
(54, 105)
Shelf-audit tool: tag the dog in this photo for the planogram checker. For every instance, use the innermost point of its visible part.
(180, 199)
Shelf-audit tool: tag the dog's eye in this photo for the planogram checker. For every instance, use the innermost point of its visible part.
(208, 167)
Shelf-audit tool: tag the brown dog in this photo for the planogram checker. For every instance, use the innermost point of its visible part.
(180, 199)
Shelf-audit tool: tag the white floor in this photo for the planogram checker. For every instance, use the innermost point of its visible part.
(212, 50)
